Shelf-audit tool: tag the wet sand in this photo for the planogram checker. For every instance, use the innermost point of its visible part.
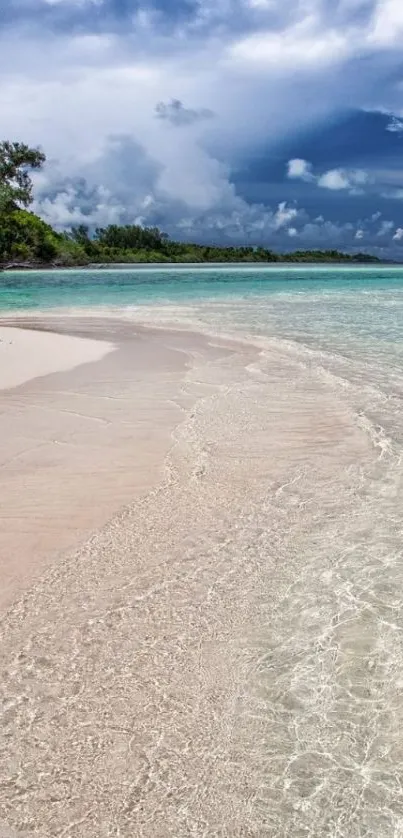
(199, 665)
(77, 445)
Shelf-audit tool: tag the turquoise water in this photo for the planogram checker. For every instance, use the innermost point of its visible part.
(349, 311)
(49, 289)
(297, 302)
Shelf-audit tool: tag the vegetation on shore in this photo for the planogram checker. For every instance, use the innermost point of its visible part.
(26, 240)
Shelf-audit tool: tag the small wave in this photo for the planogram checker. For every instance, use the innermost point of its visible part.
(377, 435)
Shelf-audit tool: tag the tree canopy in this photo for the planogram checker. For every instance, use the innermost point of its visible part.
(22, 234)
(16, 161)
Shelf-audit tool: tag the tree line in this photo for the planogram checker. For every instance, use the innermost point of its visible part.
(26, 239)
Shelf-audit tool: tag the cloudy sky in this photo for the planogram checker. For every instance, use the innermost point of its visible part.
(276, 122)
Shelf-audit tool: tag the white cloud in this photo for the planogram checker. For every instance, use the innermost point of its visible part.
(387, 23)
(398, 234)
(300, 169)
(360, 234)
(393, 194)
(302, 46)
(65, 209)
(334, 179)
(284, 215)
(337, 179)
(135, 190)
(395, 126)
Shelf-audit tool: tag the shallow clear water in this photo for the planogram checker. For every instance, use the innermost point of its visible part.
(345, 323)
(352, 314)
(279, 531)
(362, 303)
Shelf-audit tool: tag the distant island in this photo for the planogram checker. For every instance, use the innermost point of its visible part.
(30, 242)
(26, 241)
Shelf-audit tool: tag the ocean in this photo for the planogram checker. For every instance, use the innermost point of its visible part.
(279, 531)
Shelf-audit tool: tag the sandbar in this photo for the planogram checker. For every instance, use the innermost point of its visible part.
(84, 427)
(26, 353)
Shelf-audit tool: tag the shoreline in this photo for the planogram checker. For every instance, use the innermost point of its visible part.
(134, 266)
(88, 411)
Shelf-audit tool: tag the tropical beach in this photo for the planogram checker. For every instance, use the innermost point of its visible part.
(200, 554)
(201, 426)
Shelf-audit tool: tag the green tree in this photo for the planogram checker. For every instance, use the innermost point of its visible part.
(25, 237)
(16, 161)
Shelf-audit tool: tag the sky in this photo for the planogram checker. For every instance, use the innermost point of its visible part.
(267, 122)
